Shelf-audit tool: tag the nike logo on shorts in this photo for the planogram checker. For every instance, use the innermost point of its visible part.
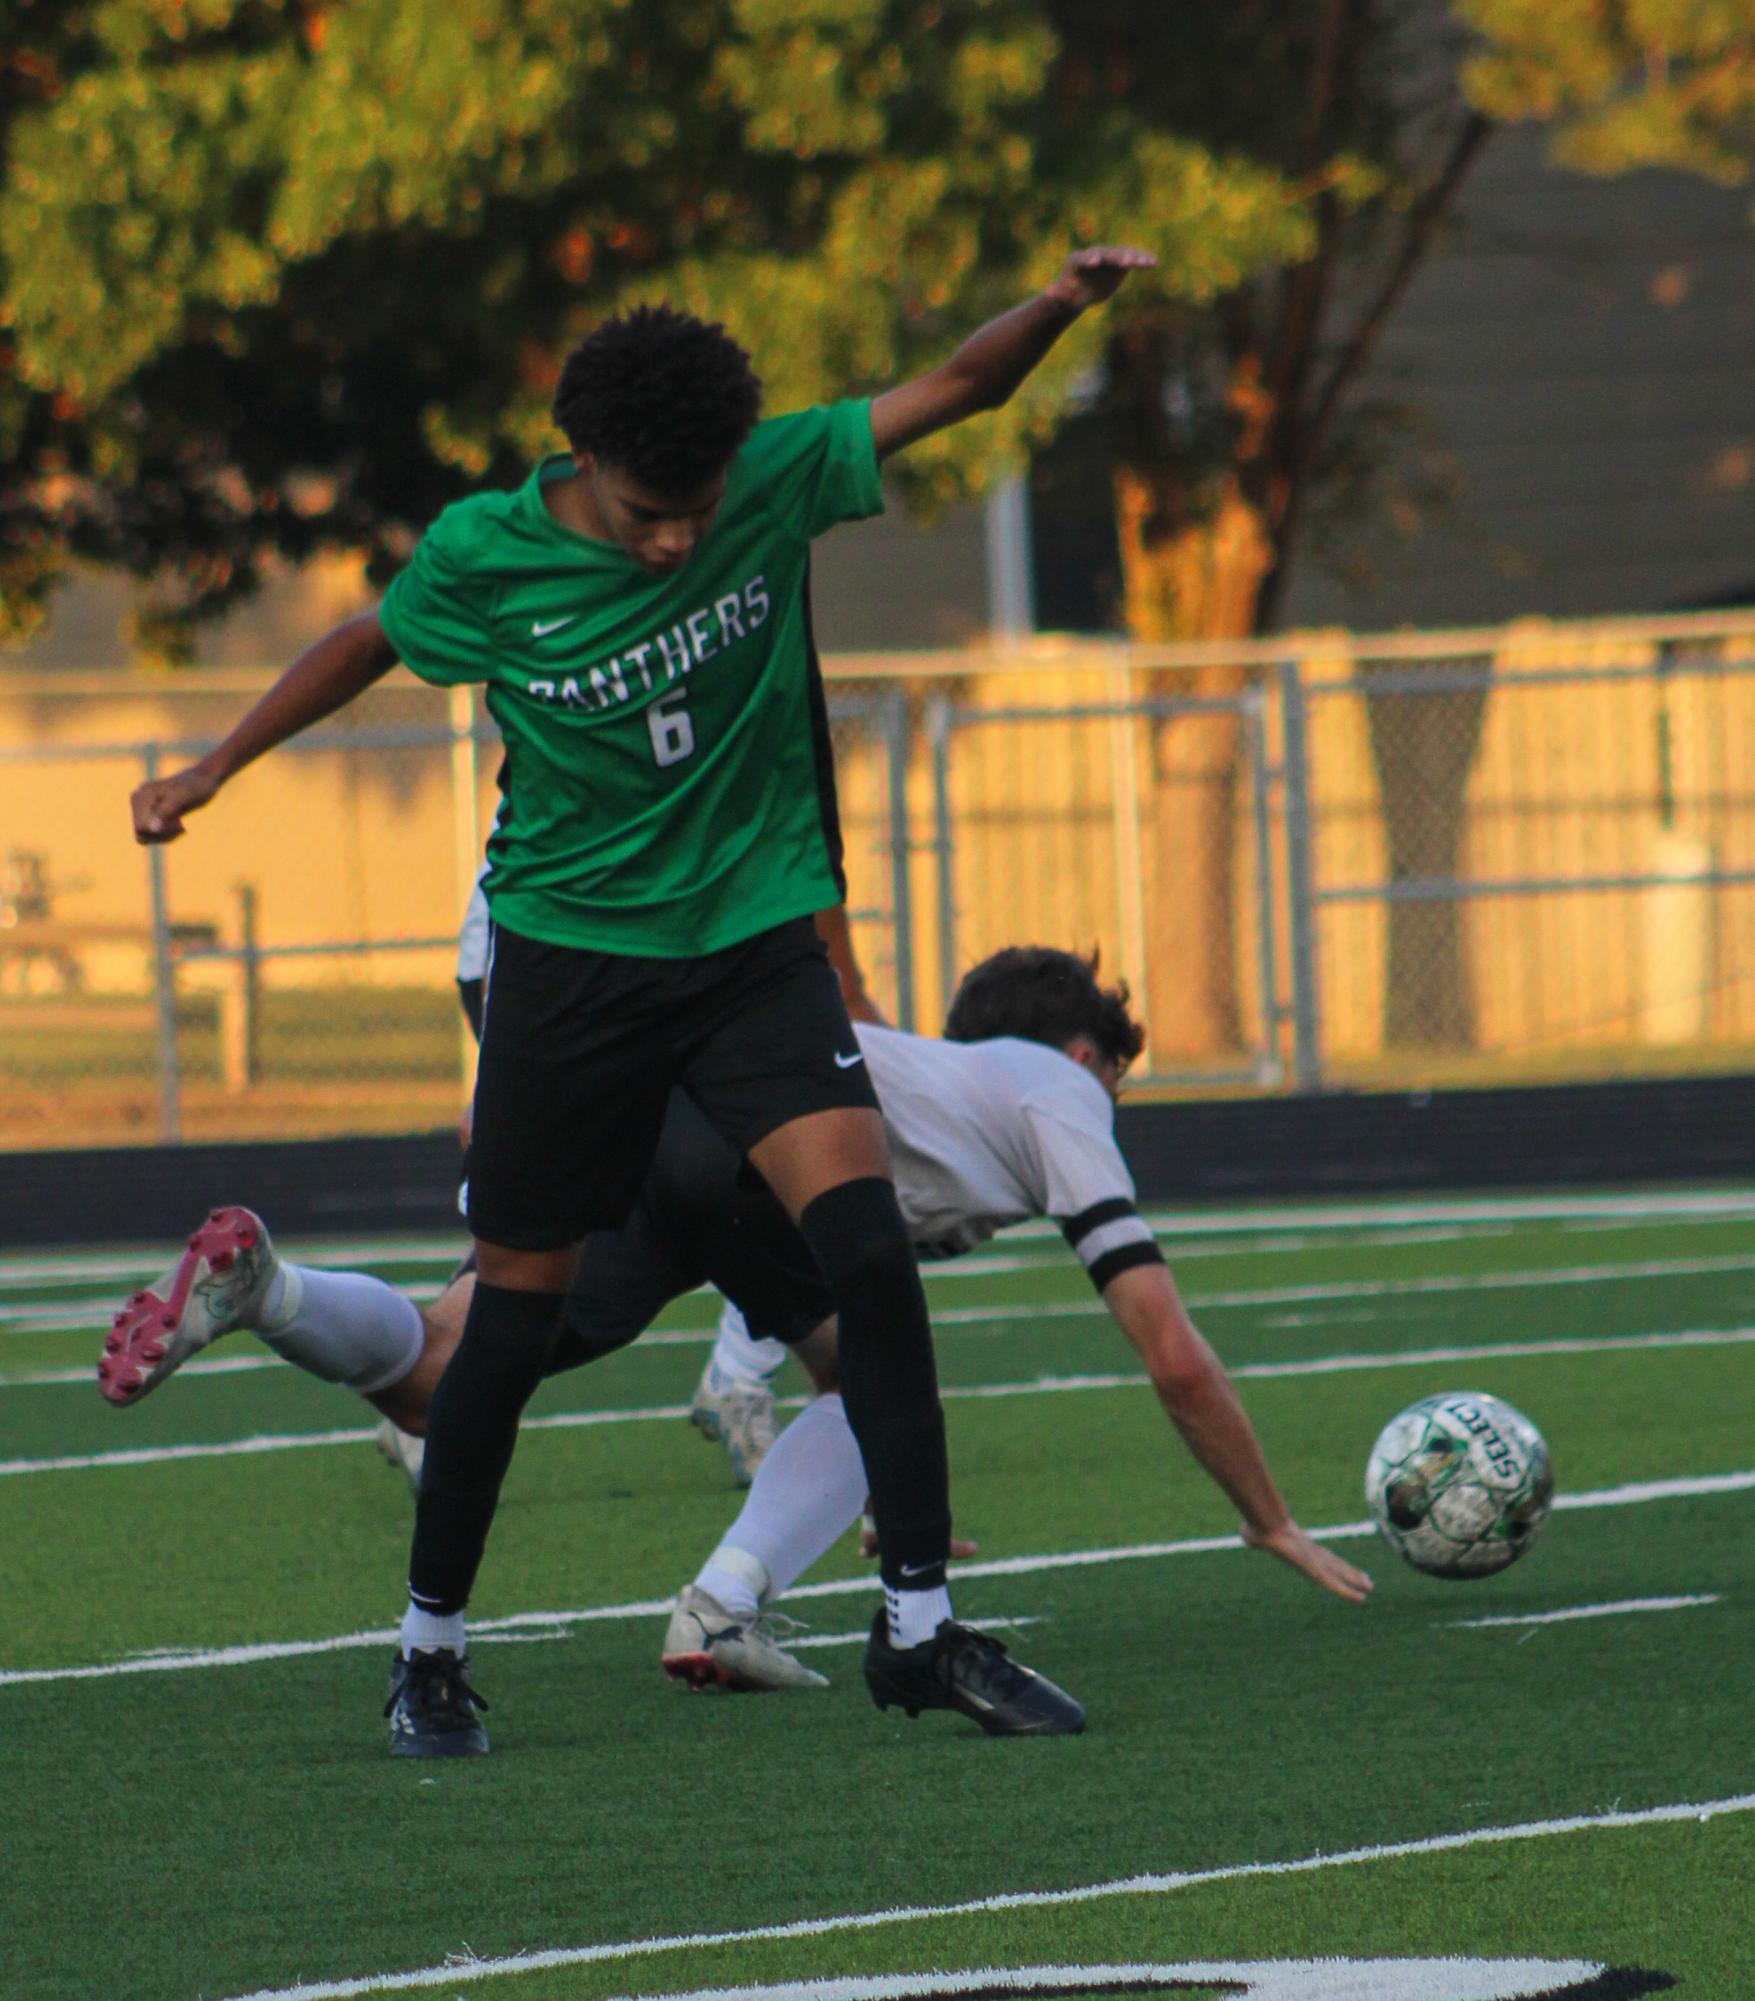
(544, 626)
(847, 1062)
(916, 1569)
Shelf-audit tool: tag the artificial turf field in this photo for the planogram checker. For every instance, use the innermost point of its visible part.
(193, 1774)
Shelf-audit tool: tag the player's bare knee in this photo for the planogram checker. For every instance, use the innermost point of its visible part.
(405, 1409)
(818, 1356)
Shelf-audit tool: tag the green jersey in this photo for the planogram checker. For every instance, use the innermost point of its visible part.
(661, 792)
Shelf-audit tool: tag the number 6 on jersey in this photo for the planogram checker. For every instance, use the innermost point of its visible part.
(672, 733)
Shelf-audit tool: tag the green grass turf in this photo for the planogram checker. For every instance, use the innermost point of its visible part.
(205, 1832)
(1650, 1897)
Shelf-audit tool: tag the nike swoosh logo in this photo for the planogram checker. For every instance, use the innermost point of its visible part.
(543, 627)
(847, 1062)
(917, 1569)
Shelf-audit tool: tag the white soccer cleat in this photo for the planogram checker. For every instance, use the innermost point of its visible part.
(216, 1287)
(739, 1415)
(403, 1450)
(709, 1647)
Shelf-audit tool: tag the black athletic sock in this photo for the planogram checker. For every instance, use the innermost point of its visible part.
(888, 1380)
(508, 1343)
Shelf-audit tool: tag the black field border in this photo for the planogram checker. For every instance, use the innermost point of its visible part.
(1332, 1143)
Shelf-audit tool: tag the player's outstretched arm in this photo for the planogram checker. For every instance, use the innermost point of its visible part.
(1198, 1398)
(324, 678)
(988, 367)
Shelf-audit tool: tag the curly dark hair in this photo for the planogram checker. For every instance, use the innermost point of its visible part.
(659, 395)
(1043, 995)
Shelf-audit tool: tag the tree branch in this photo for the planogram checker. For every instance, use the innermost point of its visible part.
(1424, 221)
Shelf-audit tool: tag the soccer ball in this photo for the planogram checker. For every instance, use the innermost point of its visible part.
(1460, 1484)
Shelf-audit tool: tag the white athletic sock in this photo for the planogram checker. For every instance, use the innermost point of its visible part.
(736, 1579)
(426, 1632)
(342, 1326)
(807, 1493)
(739, 1356)
(915, 1615)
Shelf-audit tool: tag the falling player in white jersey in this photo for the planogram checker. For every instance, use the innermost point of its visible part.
(1010, 1118)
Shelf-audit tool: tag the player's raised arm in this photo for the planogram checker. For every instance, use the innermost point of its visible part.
(990, 364)
(1198, 1398)
(324, 678)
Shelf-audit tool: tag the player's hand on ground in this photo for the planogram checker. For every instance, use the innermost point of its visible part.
(159, 804)
(961, 1546)
(1320, 1564)
(1088, 277)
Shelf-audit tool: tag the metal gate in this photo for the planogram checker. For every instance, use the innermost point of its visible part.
(1089, 862)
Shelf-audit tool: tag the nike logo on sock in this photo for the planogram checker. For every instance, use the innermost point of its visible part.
(543, 627)
(847, 1062)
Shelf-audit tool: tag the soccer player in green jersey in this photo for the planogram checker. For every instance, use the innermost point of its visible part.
(636, 611)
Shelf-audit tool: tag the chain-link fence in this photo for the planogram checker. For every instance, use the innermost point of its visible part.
(1535, 858)
(1521, 855)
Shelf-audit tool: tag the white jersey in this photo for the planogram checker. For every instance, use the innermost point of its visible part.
(983, 1134)
(473, 939)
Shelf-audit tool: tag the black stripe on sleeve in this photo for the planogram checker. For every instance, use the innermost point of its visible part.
(1125, 1258)
(1076, 1228)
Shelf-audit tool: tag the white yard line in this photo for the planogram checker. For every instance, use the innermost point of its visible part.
(86, 1376)
(454, 1971)
(1730, 1204)
(667, 1337)
(165, 1662)
(1384, 1288)
(93, 1315)
(64, 1316)
(1322, 1365)
(75, 1267)
(991, 1622)
(1379, 1288)
(1607, 1611)
(1686, 1205)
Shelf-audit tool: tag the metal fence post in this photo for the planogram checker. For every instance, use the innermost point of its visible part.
(240, 1000)
(901, 892)
(164, 982)
(938, 729)
(1130, 867)
(1301, 913)
(1269, 1068)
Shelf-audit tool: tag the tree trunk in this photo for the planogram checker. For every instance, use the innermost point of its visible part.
(1424, 747)
(1199, 581)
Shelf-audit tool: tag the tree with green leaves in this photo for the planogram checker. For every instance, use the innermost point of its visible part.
(279, 276)
(284, 275)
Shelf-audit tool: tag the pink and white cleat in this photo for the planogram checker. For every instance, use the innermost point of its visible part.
(217, 1286)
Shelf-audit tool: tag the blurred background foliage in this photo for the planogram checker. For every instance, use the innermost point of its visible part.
(279, 276)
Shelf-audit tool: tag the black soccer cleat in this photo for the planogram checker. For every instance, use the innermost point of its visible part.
(961, 1669)
(432, 1707)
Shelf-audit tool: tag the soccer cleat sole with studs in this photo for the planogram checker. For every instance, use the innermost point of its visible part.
(219, 1278)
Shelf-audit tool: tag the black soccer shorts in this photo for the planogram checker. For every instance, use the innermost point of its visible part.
(702, 1218)
(580, 1051)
